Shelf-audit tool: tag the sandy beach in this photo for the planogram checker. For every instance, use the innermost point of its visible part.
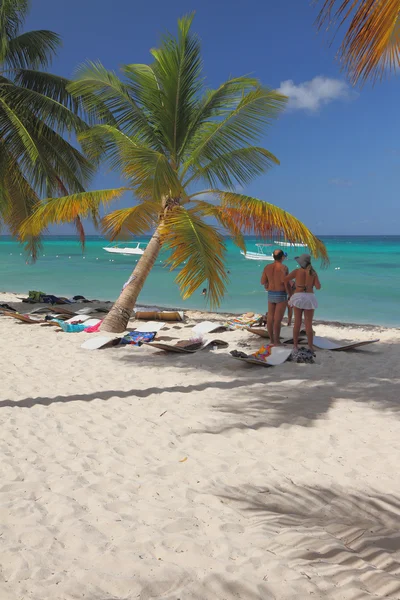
(128, 473)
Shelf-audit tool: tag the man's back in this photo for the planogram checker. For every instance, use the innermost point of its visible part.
(274, 274)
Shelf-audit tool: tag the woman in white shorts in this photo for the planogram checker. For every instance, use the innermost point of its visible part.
(303, 299)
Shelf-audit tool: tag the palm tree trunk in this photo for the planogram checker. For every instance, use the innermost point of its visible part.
(118, 317)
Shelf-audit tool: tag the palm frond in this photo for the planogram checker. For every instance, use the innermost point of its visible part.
(12, 16)
(71, 166)
(51, 86)
(178, 68)
(55, 211)
(137, 220)
(242, 126)
(147, 170)
(104, 94)
(50, 111)
(190, 239)
(218, 103)
(267, 221)
(238, 166)
(32, 49)
(17, 199)
(206, 209)
(14, 129)
(371, 43)
(145, 89)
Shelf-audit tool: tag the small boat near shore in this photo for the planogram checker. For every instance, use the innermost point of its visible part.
(126, 250)
(260, 255)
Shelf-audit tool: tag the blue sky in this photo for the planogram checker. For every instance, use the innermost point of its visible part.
(339, 147)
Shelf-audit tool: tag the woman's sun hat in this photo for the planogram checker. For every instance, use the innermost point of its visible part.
(304, 260)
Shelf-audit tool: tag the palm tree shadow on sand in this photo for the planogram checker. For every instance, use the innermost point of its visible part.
(331, 536)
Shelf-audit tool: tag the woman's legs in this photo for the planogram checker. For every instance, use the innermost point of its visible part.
(289, 314)
(308, 320)
(298, 316)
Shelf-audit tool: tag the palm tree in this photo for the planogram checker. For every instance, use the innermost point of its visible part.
(371, 44)
(36, 110)
(166, 134)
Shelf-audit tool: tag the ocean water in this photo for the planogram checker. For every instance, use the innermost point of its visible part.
(361, 285)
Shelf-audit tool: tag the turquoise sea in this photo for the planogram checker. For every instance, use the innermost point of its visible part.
(361, 285)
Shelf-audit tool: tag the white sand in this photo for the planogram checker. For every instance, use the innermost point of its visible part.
(127, 473)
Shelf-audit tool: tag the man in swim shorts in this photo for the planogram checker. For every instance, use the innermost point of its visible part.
(273, 280)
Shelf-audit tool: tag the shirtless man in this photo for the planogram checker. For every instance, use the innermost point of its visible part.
(273, 280)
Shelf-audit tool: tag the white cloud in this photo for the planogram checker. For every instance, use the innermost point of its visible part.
(311, 95)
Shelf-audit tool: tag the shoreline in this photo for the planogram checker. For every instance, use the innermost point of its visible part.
(196, 314)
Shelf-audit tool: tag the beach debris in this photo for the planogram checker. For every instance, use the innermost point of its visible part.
(183, 459)
(163, 413)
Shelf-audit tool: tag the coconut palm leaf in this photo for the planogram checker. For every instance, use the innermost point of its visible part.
(147, 170)
(51, 86)
(104, 94)
(12, 16)
(50, 111)
(136, 220)
(238, 166)
(267, 221)
(371, 44)
(55, 211)
(192, 241)
(145, 89)
(35, 111)
(239, 128)
(32, 49)
(177, 68)
(206, 209)
(217, 103)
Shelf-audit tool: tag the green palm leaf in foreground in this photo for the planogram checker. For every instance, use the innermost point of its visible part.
(164, 134)
(36, 110)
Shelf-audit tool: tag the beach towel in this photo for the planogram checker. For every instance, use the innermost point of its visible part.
(137, 338)
(69, 327)
(243, 322)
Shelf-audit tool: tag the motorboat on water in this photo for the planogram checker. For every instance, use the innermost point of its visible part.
(291, 244)
(260, 255)
(126, 250)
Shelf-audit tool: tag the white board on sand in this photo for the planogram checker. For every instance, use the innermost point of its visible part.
(206, 327)
(149, 327)
(278, 356)
(325, 344)
(92, 322)
(95, 343)
(78, 319)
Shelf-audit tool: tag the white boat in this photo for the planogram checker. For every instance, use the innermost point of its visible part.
(260, 255)
(289, 244)
(126, 250)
